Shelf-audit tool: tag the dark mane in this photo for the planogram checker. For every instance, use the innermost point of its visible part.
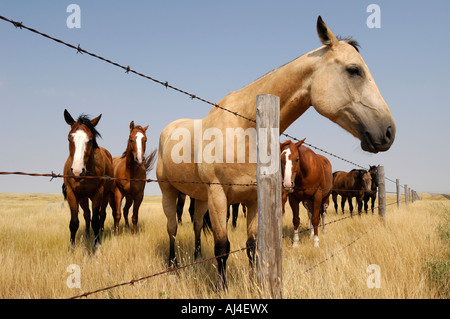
(83, 119)
(350, 41)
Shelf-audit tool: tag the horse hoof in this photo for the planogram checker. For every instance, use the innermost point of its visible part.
(295, 244)
(97, 245)
(316, 242)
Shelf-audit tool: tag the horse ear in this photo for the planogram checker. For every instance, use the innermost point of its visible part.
(95, 121)
(145, 128)
(284, 144)
(299, 143)
(69, 119)
(325, 35)
(131, 126)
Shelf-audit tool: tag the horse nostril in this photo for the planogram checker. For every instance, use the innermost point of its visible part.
(83, 172)
(389, 133)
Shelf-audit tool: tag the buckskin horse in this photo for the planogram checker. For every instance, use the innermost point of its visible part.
(355, 183)
(307, 178)
(86, 160)
(334, 79)
(133, 164)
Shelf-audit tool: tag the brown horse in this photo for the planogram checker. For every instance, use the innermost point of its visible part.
(352, 184)
(307, 178)
(133, 164)
(85, 159)
(334, 79)
(372, 194)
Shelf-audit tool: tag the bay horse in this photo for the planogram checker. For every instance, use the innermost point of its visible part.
(133, 164)
(355, 183)
(86, 159)
(334, 79)
(372, 194)
(306, 177)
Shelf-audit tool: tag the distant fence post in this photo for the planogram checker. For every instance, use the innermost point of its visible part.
(381, 192)
(268, 179)
(399, 195)
(406, 194)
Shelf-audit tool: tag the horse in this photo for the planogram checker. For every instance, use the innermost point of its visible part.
(86, 159)
(372, 194)
(306, 177)
(334, 79)
(355, 183)
(133, 164)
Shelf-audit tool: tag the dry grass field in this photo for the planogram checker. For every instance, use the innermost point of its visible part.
(411, 248)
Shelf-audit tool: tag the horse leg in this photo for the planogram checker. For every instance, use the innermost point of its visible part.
(235, 214)
(169, 203)
(84, 203)
(334, 196)
(315, 219)
(323, 211)
(217, 205)
(366, 200)
(373, 202)
(294, 203)
(252, 230)
(117, 213)
(74, 222)
(359, 202)
(126, 209)
(180, 205)
(343, 199)
(97, 201)
(284, 198)
(350, 204)
(199, 212)
(136, 205)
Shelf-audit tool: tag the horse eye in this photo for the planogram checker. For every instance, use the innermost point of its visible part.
(354, 70)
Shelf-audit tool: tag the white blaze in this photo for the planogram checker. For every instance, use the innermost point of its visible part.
(288, 169)
(139, 137)
(80, 139)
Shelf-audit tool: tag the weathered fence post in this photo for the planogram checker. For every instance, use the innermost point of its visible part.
(268, 179)
(381, 192)
(406, 194)
(399, 195)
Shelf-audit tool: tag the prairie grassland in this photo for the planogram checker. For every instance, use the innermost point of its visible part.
(411, 248)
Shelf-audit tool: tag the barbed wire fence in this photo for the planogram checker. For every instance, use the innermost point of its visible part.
(411, 195)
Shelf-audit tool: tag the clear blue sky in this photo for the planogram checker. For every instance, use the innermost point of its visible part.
(211, 48)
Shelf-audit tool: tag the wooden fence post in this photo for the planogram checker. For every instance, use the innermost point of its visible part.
(399, 195)
(406, 194)
(268, 179)
(381, 192)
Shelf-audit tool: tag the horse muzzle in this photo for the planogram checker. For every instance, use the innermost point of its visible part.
(77, 173)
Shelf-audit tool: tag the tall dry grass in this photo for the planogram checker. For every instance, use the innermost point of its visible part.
(410, 247)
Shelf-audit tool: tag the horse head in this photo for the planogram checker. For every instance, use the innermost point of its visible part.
(137, 142)
(82, 141)
(343, 90)
(290, 163)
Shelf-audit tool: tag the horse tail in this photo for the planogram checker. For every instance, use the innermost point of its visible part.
(207, 227)
(64, 191)
(149, 161)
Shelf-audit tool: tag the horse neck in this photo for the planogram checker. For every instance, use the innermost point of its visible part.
(290, 82)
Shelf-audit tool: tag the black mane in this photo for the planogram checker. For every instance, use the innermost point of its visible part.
(350, 41)
(83, 119)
